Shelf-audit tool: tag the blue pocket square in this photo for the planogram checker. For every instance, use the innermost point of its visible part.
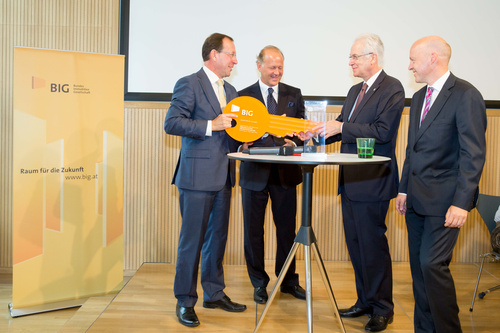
(291, 104)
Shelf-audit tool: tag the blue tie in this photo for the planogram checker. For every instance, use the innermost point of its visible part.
(271, 102)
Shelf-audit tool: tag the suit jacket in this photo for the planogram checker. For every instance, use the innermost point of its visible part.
(377, 116)
(203, 163)
(254, 176)
(445, 155)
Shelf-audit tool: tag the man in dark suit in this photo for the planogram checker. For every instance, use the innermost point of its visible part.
(366, 190)
(204, 176)
(444, 161)
(259, 181)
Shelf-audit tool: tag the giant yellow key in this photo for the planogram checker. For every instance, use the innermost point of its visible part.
(253, 121)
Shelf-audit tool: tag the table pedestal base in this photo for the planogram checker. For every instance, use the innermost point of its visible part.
(306, 237)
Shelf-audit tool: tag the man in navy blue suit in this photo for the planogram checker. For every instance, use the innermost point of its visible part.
(439, 183)
(372, 109)
(261, 181)
(204, 176)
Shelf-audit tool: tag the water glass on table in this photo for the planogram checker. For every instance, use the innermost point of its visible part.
(365, 147)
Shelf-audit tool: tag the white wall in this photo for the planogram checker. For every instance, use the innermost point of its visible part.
(315, 37)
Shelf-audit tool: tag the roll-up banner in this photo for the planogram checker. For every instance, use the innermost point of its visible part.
(67, 177)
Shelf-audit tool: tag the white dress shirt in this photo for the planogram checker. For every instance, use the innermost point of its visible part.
(264, 90)
(213, 78)
(438, 86)
(369, 83)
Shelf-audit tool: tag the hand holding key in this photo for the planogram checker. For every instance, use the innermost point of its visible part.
(253, 121)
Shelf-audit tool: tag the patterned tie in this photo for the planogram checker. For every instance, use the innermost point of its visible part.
(271, 102)
(360, 97)
(222, 97)
(427, 103)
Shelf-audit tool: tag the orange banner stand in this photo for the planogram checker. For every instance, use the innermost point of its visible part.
(67, 178)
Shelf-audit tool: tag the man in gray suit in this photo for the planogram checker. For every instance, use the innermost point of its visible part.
(444, 161)
(204, 176)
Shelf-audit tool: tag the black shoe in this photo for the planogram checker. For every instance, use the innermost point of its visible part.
(260, 295)
(187, 316)
(225, 304)
(353, 312)
(296, 291)
(378, 323)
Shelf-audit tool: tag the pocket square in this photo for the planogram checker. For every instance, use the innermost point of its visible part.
(291, 104)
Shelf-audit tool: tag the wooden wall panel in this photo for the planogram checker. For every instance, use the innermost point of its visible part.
(151, 210)
(152, 217)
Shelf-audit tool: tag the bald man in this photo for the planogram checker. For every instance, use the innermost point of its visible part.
(439, 183)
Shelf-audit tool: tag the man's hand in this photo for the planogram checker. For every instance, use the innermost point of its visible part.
(401, 204)
(455, 217)
(331, 128)
(245, 145)
(305, 135)
(222, 121)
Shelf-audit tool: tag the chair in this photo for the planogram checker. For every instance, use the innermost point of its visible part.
(487, 206)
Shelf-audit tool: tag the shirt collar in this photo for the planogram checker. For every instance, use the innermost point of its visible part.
(264, 87)
(212, 77)
(371, 80)
(438, 85)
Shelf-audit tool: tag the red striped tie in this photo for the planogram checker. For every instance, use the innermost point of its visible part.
(360, 97)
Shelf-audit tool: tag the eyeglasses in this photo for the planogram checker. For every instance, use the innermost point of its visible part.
(355, 56)
(233, 55)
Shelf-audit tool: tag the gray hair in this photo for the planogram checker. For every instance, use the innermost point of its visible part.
(372, 44)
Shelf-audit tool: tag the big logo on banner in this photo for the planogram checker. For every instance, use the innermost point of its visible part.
(67, 176)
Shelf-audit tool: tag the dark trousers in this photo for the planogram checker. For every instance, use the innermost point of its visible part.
(364, 227)
(205, 219)
(431, 248)
(283, 206)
